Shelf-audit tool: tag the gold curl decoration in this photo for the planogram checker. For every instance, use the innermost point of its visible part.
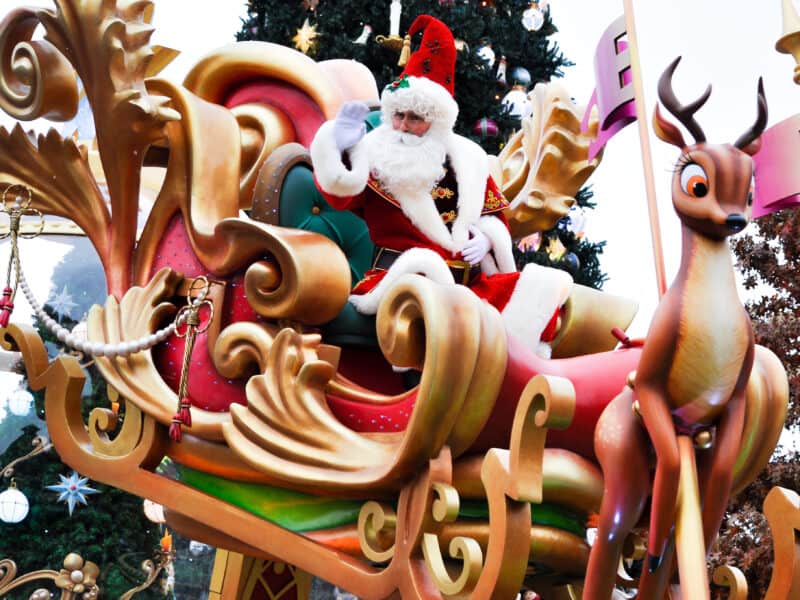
(732, 578)
(243, 348)
(377, 523)
(25, 93)
(463, 549)
(103, 421)
(546, 402)
(782, 510)
(288, 432)
(543, 166)
(263, 128)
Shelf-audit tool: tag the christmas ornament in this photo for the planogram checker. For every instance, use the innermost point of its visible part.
(19, 402)
(486, 128)
(310, 4)
(555, 249)
(501, 72)
(518, 104)
(72, 490)
(520, 76)
(62, 303)
(576, 221)
(461, 45)
(306, 37)
(364, 35)
(13, 504)
(572, 261)
(487, 54)
(530, 243)
(533, 17)
(153, 511)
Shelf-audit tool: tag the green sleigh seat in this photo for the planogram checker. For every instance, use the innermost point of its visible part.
(286, 195)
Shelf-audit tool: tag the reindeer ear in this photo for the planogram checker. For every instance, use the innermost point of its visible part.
(752, 147)
(666, 131)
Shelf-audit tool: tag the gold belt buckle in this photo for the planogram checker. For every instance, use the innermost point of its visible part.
(464, 266)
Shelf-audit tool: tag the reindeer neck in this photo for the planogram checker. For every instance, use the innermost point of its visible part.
(705, 259)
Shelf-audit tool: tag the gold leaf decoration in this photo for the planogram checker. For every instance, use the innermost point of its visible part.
(543, 166)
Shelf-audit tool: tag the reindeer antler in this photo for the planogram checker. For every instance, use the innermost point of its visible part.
(761, 120)
(684, 113)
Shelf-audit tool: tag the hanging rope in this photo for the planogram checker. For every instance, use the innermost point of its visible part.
(15, 212)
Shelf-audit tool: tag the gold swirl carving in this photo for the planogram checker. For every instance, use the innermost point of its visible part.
(377, 525)
(463, 549)
(25, 93)
(9, 580)
(782, 510)
(140, 312)
(546, 402)
(732, 578)
(297, 275)
(767, 399)
(288, 432)
(263, 128)
(544, 165)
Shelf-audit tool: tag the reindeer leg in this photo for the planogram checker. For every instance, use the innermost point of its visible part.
(717, 480)
(658, 420)
(621, 447)
(719, 475)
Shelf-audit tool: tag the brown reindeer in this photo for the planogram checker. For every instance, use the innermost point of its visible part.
(695, 363)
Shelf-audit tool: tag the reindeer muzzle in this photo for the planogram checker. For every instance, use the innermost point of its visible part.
(736, 222)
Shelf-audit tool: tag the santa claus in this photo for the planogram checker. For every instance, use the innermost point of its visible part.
(427, 197)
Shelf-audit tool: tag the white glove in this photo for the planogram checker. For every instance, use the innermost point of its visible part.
(476, 247)
(349, 127)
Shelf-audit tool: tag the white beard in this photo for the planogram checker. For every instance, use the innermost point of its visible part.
(404, 164)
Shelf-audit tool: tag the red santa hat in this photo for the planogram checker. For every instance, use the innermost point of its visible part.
(426, 84)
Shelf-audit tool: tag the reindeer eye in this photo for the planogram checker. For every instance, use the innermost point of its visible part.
(694, 180)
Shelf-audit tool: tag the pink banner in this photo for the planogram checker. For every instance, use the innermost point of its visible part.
(776, 168)
(613, 94)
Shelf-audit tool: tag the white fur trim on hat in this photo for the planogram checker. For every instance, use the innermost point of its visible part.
(424, 97)
(416, 260)
(501, 257)
(331, 173)
(538, 293)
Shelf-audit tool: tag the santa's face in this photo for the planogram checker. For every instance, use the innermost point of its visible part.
(410, 122)
(403, 162)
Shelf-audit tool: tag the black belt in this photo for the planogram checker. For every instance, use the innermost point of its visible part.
(463, 272)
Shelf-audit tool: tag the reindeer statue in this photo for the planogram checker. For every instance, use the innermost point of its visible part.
(693, 373)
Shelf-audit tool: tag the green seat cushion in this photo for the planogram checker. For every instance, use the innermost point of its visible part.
(303, 207)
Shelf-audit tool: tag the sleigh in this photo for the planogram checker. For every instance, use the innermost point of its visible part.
(306, 446)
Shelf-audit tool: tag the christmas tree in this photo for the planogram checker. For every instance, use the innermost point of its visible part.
(504, 50)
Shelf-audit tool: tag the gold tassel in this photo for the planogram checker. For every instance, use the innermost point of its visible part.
(405, 53)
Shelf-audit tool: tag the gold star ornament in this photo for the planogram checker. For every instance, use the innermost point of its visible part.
(306, 37)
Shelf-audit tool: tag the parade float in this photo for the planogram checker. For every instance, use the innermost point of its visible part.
(232, 356)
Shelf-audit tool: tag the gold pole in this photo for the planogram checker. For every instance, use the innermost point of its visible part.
(647, 159)
(689, 542)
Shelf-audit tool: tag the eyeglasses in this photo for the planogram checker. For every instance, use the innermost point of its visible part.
(410, 116)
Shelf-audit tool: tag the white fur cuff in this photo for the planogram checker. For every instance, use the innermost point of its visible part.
(331, 173)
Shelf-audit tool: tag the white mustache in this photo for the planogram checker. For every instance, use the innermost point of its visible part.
(408, 139)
